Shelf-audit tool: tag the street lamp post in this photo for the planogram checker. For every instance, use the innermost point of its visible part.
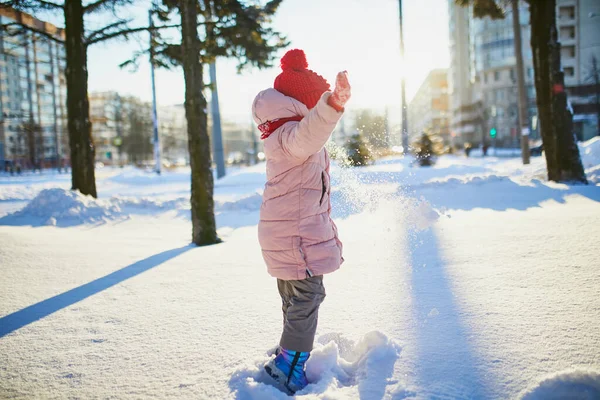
(216, 122)
(154, 114)
(403, 87)
(522, 103)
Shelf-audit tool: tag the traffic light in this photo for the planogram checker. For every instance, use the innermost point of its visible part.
(493, 132)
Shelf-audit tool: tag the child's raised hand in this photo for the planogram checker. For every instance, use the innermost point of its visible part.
(341, 93)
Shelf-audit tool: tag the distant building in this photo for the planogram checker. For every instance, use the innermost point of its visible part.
(579, 32)
(493, 71)
(466, 113)
(428, 110)
(33, 129)
(483, 50)
(239, 141)
(122, 129)
(172, 127)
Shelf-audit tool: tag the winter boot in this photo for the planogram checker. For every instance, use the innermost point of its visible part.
(287, 368)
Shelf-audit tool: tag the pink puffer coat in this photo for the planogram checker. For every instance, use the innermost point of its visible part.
(296, 233)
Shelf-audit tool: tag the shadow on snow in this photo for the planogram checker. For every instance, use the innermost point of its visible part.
(35, 312)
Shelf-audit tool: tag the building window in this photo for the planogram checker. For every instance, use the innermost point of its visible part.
(569, 71)
(499, 95)
(497, 76)
(567, 32)
(567, 52)
(566, 13)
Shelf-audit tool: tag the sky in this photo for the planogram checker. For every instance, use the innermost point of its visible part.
(354, 35)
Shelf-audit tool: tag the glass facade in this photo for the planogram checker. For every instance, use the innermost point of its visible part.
(33, 98)
(493, 64)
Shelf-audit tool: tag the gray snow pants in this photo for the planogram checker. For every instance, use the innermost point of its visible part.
(301, 300)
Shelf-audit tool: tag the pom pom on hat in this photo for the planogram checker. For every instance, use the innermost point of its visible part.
(299, 82)
(294, 59)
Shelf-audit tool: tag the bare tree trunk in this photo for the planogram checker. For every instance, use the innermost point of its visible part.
(202, 204)
(556, 121)
(78, 107)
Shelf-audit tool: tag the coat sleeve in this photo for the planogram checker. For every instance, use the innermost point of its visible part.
(308, 136)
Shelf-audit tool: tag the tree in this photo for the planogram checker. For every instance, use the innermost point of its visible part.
(229, 28)
(357, 151)
(372, 128)
(137, 142)
(563, 161)
(424, 150)
(76, 40)
(33, 137)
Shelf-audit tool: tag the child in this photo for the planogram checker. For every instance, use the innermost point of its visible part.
(298, 238)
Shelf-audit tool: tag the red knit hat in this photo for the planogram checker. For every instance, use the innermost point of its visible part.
(298, 81)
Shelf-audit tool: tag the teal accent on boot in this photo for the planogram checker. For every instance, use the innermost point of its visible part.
(288, 369)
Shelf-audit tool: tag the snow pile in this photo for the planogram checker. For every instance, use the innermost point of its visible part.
(337, 368)
(17, 193)
(149, 204)
(139, 177)
(593, 174)
(60, 207)
(573, 384)
(250, 202)
(590, 157)
(453, 180)
(590, 152)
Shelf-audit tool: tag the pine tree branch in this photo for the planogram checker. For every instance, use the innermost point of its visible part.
(126, 32)
(49, 5)
(95, 6)
(90, 37)
(25, 28)
(31, 5)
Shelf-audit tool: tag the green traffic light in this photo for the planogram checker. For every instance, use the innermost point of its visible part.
(493, 132)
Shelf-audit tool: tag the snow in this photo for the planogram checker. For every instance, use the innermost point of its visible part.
(338, 368)
(580, 384)
(590, 157)
(64, 207)
(474, 278)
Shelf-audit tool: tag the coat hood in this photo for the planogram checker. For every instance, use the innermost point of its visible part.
(270, 105)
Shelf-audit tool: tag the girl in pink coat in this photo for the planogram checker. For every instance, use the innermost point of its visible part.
(299, 240)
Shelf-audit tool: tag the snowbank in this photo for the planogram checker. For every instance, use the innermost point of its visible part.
(572, 384)
(338, 368)
(452, 180)
(60, 207)
(593, 174)
(138, 177)
(149, 204)
(590, 152)
(17, 193)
